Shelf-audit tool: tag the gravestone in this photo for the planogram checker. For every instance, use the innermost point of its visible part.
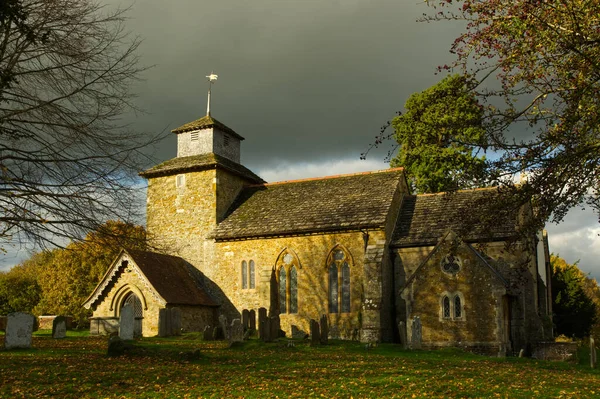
(416, 336)
(218, 333)
(324, 330)
(315, 335)
(163, 322)
(252, 319)
(274, 327)
(402, 333)
(19, 327)
(59, 327)
(207, 334)
(224, 326)
(262, 319)
(126, 323)
(245, 319)
(236, 331)
(267, 330)
(175, 316)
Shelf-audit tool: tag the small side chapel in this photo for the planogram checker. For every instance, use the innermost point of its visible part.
(358, 248)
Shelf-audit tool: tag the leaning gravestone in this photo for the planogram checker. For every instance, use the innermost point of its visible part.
(126, 323)
(416, 335)
(19, 327)
(236, 331)
(252, 319)
(59, 327)
(315, 335)
(324, 330)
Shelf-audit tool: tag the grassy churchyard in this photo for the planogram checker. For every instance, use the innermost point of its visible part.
(78, 367)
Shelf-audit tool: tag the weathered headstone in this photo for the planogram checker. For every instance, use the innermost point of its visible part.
(245, 319)
(315, 335)
(592, 353)
(19, 327)
(324, 330)
(207, 334)
(224, 326)
(163, 322)
(416, 335)
(126, 323)
(402, 333)
(218, 333)
(59, 327)
(262, 322)
(274, 327)
(175, 317)
(522, 353)
(267, 330)
(252, 319)
(236, 331)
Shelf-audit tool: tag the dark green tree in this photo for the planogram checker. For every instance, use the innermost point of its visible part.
(19, 288)
(436, 137)
(575, 312)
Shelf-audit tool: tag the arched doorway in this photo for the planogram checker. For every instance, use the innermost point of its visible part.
(138, 311)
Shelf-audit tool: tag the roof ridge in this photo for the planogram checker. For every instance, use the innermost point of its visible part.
(328, 177)
(464, 190)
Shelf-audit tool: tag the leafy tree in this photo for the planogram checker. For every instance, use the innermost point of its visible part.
(66, 162)
(537, 64)
(436, 137)
(19, 289)
(575, 310)
(69, 275)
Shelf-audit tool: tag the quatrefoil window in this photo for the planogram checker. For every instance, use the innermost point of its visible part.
(451, 264)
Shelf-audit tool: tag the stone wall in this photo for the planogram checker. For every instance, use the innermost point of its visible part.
(45, 322)
(312, 252)
(195, 318)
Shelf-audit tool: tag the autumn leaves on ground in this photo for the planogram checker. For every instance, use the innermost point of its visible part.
(77, 367)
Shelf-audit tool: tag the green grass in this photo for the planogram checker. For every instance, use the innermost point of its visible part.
(77, 367)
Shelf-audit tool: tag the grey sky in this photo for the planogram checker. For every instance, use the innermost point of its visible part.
(307, 83)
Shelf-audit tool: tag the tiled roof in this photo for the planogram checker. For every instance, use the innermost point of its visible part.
(200, 162)
(335, 203)
(204, 123)
(171, 278)
(424, 219)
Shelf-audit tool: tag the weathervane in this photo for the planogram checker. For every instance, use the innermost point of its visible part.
(211, 78)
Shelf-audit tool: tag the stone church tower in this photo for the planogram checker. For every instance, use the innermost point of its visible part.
(190, 194)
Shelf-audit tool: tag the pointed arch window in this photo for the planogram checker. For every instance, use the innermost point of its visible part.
(338, 270)
(287, 279)
(452, 306)
(251, 273)
(244, 275)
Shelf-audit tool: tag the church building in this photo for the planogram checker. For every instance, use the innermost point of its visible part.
(358, 248)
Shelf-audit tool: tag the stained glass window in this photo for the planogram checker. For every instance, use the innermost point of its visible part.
(333, 288)
(457, 307)
(345, 288)
(244, 275)
(282, 290)
(293, 290)
(446, 307)
(252, 279)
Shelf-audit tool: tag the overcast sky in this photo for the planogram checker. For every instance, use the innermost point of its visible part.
(307, 83)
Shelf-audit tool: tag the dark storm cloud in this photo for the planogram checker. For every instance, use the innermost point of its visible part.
(300, 80)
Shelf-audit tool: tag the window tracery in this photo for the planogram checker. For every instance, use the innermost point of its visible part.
(452, 306)
(287, 266)
(338, 271)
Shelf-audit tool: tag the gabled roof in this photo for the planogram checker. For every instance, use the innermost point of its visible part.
(200, 162)
(336, 203)
(450, 235)
(425, 218)
(204, 123)
(169, 277)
